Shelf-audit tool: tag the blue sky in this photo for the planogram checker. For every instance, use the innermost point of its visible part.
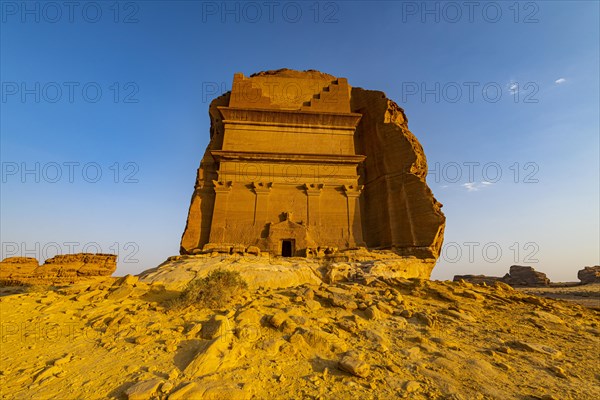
(106, 106)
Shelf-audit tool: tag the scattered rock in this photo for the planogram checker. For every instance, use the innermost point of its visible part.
(193, 329)
(385, 308)
(538, 301)
(143, 339)
(126, 280)
(424, 319)
(312, 305)
(215, 354)
(354, 366)
(372, 313)
(343, 301)
(63, 360)
(478, 279)
(218, 325)
(307, 293)
(322, 340)
(143, 390)
(248, 325)
(249, 316)
(469, 294)
(120, 293)
(278, 319)
(253, 250)
(184, 392)
(548, 317)
(47, 373)
(211, 391)
(532, 347)
(459, 315)
(166, 387)
(412, 386)
(558, 371)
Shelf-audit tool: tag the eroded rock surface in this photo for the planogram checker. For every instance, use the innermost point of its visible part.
(279, 272)
(58, 269)
(477, 279)
(378, 338)
(589, 274)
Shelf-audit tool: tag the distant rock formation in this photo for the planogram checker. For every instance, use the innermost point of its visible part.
(58, 269)
(525, 276)
(589, 274)
(518, 276)
(301, 161)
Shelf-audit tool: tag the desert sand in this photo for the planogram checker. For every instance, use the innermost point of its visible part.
(360, 338)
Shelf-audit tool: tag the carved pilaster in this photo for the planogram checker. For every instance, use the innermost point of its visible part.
(313, 203)
(217, 229)
(352, 193)
(261, 201)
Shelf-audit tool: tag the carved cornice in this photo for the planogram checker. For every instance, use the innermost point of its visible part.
(227, 155)
(289, 118)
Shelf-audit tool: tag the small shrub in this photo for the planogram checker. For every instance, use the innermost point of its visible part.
(217, 290)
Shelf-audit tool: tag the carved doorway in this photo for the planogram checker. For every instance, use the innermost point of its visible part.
(287, 248)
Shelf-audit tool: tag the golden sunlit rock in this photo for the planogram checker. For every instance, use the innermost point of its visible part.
(302, 164)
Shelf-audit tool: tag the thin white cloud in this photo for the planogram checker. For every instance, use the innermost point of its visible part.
(470, 186)
(513, 87)
(560, 80)
(476, 186)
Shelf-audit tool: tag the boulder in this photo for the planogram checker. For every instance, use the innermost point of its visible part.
(589, 275)
(354, 366)
(525, 276)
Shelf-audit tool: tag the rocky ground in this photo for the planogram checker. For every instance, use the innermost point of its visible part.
(370, 338)
(586, 295)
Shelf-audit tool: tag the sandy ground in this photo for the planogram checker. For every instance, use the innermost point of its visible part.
(400, 339)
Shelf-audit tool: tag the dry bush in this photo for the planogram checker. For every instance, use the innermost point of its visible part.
(217, 290)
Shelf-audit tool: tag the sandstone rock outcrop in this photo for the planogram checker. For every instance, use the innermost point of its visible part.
(525, 276)
(58, 269)
(299, 162)
(274, 272)
(518, 276)
(17, 267)
(478, 279)
(589, 274)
